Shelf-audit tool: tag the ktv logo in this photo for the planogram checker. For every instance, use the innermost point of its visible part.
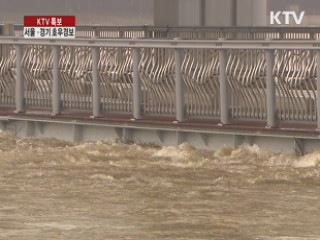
(286, 17)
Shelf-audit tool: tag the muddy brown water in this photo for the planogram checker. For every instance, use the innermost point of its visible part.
(52, 189)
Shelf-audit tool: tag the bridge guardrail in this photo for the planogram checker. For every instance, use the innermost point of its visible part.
(265, 80)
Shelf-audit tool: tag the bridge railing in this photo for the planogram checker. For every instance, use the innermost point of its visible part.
(213, 33)
(267, 80)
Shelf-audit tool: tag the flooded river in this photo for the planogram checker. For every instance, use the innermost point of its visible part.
(51, 189)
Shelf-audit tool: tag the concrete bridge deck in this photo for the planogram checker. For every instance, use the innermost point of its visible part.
(287, 137)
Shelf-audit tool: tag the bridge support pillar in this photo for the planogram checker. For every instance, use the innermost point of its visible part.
(271, 89)
(298, 146)
(96, 94)
(20, 101)
(136, 84)
(179, 86)
(56, 81)
(224, 87)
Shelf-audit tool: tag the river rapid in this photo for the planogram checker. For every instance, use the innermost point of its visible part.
(53, 189)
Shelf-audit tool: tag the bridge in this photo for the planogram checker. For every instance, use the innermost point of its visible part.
(210, 87)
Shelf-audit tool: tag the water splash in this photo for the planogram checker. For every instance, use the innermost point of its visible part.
(52, 189)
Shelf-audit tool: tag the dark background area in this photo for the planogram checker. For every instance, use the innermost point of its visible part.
(129, 12)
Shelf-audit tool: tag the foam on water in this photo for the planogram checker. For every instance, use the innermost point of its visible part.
(172, 153)
(60, 226)
(32, 150)
(54, 188)
(288, 238)
(183, 156)
(307, 161)
(102, 177)
(246, 151)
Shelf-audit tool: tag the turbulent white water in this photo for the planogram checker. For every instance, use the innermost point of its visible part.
(58, 190)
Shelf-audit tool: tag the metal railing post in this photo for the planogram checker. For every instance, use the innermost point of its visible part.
(147, 32)
(96, 33)
(96, 94)
(224, 87)
(121, 34)
(179, 86)
(20, 101)
(56, 81)
(318, 89)
(137, 93)
(271, 89)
